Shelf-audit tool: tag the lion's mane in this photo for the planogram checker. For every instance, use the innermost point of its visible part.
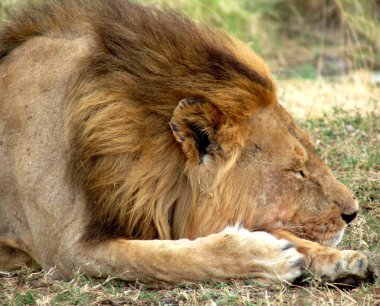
(123, 153)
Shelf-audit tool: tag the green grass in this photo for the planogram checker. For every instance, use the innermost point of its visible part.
(348, 142)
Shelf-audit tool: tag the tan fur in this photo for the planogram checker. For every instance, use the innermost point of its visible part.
(120, 124)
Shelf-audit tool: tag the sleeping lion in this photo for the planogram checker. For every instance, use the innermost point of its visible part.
(137, 144)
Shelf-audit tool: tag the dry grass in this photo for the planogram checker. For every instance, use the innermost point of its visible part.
(25, 288)
(306, 99)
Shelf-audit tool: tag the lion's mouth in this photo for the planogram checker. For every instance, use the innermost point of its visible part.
(325, 238)
(332, 240)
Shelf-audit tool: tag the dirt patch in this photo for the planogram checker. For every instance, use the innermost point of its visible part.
(306, 99)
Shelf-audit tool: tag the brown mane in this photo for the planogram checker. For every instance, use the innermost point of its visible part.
(141, 67)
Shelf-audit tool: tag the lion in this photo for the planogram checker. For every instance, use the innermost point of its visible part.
(137, 144)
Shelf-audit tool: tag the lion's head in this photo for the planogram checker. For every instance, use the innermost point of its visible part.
(262, 172)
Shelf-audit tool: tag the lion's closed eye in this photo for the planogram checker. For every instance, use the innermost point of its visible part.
(300, 174)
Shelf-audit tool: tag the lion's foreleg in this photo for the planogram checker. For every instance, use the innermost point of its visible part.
(11, 255)
(328, 263)
(231, 253)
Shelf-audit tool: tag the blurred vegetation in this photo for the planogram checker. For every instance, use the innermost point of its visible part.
(297, 38)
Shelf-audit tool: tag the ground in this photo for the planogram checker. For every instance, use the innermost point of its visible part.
(344, 119)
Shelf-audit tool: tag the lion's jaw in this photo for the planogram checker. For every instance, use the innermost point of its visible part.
(276, 181)
(334, 241)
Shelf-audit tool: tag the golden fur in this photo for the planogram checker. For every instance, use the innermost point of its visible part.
(166, 130)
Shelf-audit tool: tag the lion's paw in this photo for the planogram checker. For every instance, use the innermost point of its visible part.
(286, 263)
(334, 265)
(262, 255)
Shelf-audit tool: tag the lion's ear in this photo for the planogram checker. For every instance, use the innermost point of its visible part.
(194, 124)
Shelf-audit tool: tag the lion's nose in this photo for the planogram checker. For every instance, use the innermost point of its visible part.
(349, 218)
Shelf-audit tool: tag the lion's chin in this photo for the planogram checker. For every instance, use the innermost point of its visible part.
(333, 240)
